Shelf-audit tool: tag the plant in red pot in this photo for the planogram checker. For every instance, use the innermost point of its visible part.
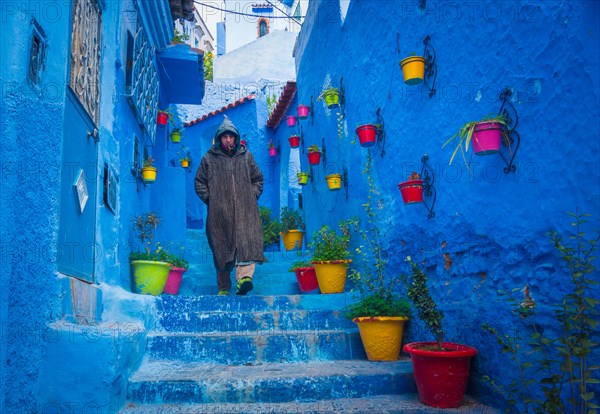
(314, 155)
(441, 369)
(272, 149)
(294, 141)
(367, 135)
(305, 275)
(180, 265)
(412, 189)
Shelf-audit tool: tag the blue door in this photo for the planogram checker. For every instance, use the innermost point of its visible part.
(77, 248)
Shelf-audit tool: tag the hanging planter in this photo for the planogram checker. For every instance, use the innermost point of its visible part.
(162, 118)
(412, 190)
(367, 135)
(149, 276)
(303, 111)
(486, 138)
(381, 336)
(294, 141)
(334, 181)
(272, 149)
(302, 178)
(149, 174)
(413, 69)
(291, 121)
(314, 155)
(331, 96)
(185, 162)
(176, 136)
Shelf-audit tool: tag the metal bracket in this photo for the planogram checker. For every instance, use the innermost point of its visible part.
(324, 152)
(509, 131)
(94, 134)
(311, 111)
(429, 191)
(380, 130)
(430, 66)
(345, 180)
(342, 98)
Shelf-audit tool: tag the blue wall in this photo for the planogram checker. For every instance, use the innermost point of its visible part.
(492, 225)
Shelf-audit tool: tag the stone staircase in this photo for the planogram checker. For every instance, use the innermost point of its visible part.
(265, 353)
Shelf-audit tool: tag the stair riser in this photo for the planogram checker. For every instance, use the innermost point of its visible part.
(249, 349)
(273, 389)
(252, 322)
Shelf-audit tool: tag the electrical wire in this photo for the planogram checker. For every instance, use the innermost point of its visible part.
(247, 14)
(293, 18)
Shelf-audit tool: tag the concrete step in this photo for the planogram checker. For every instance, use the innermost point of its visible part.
(167, 382)
(378, 404)
(253, 347)
(219, 321)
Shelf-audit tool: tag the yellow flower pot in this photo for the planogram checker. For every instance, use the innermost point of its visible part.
(381, 336)
(413, 68)
(150, 277)
(292, 239)
(332, 275)
(334, 181)
(185, 163)
(149, 174)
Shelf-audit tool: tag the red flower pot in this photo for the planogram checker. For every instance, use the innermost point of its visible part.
(302, 111)
(412, 191)
(174, 280)
(486, 138)
(441, 376)
(367, 135)
(314, 158)
(291, 121)
(162, 118)
(307, 278)
(294, 141)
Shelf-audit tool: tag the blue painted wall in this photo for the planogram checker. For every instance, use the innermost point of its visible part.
(492, 225)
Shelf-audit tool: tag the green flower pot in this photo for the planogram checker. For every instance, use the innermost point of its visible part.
(150, 277)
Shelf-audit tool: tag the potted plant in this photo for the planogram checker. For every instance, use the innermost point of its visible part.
(148, 170)
(412, 190)
(292, 228)
(441, 369)
(331, 257)
(303, 178)
(176, 135)
(294, 141)
(270, 227)
(334, 181)
(164, 115)
(314, 155)
(272, 149)
(150, 266)
(305, 275)
(185, 161)
(180, 265)
(485, 135)
(413, 69)
(331, 96)
(367, 135)
(303, 111)
(291, 120)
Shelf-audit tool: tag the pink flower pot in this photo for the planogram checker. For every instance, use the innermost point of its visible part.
(486, 138)
(174, 280)
(272, 152)
(412, 191)
(291, 121)
(303, 111)
(294, 141)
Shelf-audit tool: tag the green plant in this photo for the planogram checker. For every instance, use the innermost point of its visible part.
(378, 305)
(328, 245)
(327, 91)
(179, 37)
(271, 103)
(144, 226)
(177, 260)
(271, 145)
(270, 227)
(420, 296)
(462, 138)
(314, 148)
(559, 355)
(300, 264)
(291, 219)
(208, 65)
(148, 161)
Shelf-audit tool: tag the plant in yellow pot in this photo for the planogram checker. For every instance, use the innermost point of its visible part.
(148, 170)
(291, 228)
(331, 257)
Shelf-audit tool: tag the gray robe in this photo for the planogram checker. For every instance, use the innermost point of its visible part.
(230, 187)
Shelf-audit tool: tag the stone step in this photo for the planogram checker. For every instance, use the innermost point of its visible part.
(220, 321)
(167, 382)
(252, 347)
(378, 404)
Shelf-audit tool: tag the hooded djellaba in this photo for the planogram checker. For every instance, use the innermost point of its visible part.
(229, 182)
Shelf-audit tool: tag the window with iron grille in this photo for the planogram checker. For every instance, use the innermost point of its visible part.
(37, 53)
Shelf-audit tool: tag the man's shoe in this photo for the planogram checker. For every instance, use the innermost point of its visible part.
(244, 285)
(223, 292)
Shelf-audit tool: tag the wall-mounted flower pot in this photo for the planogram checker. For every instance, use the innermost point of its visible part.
(175, 136)
(334, 181)
(441, 376)
(486, 138)
(307, 278)
(272, 152)
(185, 163)
(332, 99)
(291, 121)
(149, 174)
(162, 118)
(174, 280)
(303, 111)
(412, 191)
(381, 336)
(294, 141)
(302, 178)
(413, 68)
(331, 275)
(367, 135)
(314, 158)
(150, 277)
(292, 239)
